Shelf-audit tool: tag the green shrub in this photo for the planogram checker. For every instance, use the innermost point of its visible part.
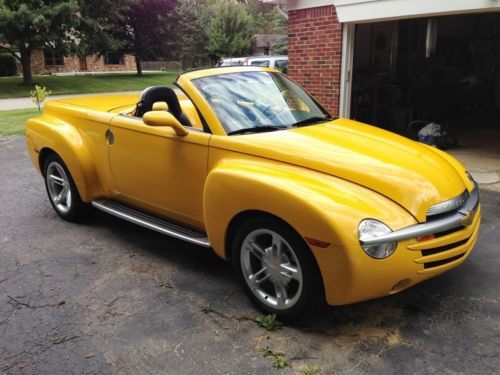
(38, 95)
(8, 65)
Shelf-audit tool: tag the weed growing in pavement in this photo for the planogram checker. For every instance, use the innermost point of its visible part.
(310, 370)
(269, 322)
(166, 285)
(277, 358)
(207, 309)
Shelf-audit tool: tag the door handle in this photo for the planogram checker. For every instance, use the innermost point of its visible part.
(110, 137)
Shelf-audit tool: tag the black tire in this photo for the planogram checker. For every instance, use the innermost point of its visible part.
(77, 211)
(311, 298)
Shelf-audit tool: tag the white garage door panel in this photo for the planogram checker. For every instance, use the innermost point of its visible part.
(378, 10)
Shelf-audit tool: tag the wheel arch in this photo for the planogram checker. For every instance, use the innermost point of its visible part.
(233, 194)
(42, 157)
(50, 135)
(247, 215)
(244, 216)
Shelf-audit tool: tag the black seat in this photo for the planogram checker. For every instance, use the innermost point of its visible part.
(154, 94)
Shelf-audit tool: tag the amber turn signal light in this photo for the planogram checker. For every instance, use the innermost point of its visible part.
(317, 243)
(425, 238)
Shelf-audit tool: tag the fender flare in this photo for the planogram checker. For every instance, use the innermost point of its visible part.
(48, 133)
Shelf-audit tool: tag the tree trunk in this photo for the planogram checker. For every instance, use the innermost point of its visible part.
(26, 65)
(138, 65)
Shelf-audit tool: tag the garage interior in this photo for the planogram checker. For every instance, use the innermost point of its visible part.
(442, 69)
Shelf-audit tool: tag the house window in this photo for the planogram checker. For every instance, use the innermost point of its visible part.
(114, 58)
(52, 57)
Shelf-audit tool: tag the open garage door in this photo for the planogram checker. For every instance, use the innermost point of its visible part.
(443, 69)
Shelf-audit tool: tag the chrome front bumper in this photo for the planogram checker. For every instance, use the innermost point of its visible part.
(460, 218)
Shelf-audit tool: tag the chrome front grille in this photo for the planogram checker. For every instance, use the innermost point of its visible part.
(444, 248)
(449, 205)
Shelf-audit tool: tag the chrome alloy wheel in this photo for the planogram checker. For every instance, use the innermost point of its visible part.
(59, 187)
(271, 269)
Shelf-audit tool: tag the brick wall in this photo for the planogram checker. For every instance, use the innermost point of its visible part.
(72, 64)
(37, 62)
(96, 64)
(315, 53)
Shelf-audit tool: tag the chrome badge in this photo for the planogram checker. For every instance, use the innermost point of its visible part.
(467, 219)
(449, 205)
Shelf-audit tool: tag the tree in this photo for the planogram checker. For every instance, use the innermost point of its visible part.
(267, 18)
(193, 39)
(230, 30)
(101, 22)
(149, 28)
(280, 46)
(31, 24)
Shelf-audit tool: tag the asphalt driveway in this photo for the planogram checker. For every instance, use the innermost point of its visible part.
(88, 299)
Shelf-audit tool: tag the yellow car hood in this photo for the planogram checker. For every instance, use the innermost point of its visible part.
(409, 173)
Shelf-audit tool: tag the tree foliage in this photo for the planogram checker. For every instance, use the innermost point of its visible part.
(149, 29)
(68, 26)
(196, 31)
(215, 28)
(267, 18)
(100, 22)
(280, 46)
(30, 24)
(230, 30)
(193, 39)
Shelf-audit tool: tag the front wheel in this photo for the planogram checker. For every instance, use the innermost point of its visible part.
(62, 191)
(277, 269)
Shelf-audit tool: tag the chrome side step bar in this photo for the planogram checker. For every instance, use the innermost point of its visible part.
(151, 222)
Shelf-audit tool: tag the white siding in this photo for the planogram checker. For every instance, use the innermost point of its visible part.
(378, 10)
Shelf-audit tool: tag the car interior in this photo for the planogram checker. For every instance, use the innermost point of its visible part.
(155, 94)
(163, 98)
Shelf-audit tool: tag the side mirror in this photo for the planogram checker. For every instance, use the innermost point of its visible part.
(163, 118)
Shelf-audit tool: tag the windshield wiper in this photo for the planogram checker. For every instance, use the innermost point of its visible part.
(311, 120)
(258, 129)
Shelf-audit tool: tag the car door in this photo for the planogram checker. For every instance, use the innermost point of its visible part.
(157, 170)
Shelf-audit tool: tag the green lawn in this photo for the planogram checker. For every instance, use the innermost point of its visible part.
(12, 122)
(11, 87)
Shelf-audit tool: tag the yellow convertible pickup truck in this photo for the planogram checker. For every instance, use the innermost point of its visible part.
(310, 209)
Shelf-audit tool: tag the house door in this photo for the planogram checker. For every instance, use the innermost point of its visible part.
(83, 63)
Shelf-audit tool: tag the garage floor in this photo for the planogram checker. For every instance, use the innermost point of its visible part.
(479, 151)
(87, 299)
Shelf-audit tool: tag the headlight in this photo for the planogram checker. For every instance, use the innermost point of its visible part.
(369, 229)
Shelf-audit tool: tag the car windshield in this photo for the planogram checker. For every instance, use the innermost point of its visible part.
(247, 102)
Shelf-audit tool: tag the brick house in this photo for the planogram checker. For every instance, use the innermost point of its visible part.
(262, 43)
(46, 60)
(388, 62)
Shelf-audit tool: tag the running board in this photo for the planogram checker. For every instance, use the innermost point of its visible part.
(151, 222)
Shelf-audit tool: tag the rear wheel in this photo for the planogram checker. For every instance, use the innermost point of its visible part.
(62, 191)
(277, 269)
